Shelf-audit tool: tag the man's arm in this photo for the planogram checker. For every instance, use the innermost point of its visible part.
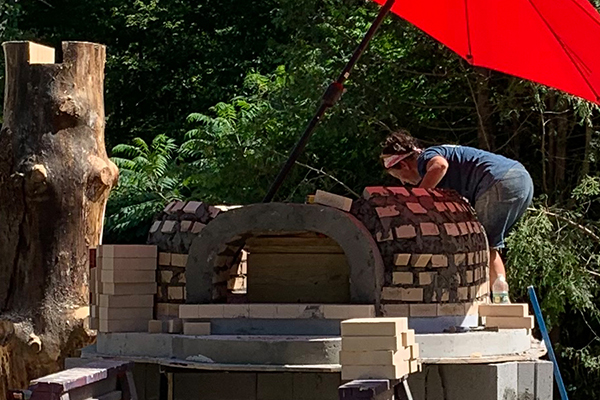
(436, 169)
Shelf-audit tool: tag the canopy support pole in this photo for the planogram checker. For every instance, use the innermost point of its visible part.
(330, 98)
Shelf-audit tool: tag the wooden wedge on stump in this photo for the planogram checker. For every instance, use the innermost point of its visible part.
(55, 178)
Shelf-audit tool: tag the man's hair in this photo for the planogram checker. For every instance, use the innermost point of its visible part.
(400, 142)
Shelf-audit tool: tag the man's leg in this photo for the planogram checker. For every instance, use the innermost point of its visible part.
(496, 266)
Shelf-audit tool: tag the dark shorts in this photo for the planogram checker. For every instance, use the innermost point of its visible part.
(501, 206)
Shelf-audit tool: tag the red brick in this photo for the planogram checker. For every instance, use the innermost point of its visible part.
(168, 227)
(441, 207)
(175, 325)
(128, 288)
(423, 310)
(401, 259)
(411, 294)
(473, 291)
(416, 208)
(370, 191)
(405, 232)
(178, 206)
(469, 276)
(164, 259)
(459, 259)
(384, 236)
(451, 207)
(451, 229)
(420, 260)
(179, 260)
(121, 313)
(157, 326)
(451, 309)
(191, 207)
(439, 260)
(402, 278)
(167, 310)
(463, 293)
(445, 296)
(185, 226)
(462, 226)
(197, 227)
(155, 226)
(476, 227)
(389, 211)
(420, 192)
(471, 258)
(127, 251)
(510, 322)
(333, 200)
(436, 193)
(124, 325)
(169, 206)
(399, 190)
(425, 278)
(429, 229)
(127, 276)
(395, 310)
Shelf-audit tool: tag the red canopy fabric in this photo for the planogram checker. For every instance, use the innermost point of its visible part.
(552, 42)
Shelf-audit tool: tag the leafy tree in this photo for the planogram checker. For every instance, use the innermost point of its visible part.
(148, 180)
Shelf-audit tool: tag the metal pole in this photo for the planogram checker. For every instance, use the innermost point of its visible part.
(330, 98)
(537, 310)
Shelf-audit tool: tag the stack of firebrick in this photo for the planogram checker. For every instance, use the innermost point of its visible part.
(122, 288)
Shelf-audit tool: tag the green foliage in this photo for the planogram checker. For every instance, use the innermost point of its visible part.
(148, 180)
(558, 252)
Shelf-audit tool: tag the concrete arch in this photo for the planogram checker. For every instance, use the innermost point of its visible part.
(219, 239)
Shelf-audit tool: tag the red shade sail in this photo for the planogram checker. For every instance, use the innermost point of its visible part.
(552, 42)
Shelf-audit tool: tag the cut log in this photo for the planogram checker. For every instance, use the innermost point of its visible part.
(55, 178)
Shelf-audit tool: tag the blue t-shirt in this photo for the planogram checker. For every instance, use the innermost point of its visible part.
(470, 171)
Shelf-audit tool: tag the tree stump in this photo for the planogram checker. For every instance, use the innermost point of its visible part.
(55, 178)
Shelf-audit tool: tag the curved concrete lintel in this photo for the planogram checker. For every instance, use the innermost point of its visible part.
(362, 253)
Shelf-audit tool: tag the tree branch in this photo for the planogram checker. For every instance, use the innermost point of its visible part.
(320, 171)
(574, 224)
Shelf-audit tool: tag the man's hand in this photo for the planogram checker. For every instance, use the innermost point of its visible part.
(436, 169)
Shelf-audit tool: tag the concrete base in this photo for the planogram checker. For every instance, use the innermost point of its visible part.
(303, 350)
(441, 324)
(503, 381)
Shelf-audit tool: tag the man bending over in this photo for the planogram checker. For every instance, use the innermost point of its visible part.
(500, 189)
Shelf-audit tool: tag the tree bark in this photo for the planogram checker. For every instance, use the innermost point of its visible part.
(55, 178)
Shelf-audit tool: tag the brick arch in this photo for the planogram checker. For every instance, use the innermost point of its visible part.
(216, 244)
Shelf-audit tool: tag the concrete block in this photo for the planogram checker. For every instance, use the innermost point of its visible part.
(333, 200)
(127, 251)
(215, 386)
(179, 260)
(510, 322)
(128, 276)
(157, 326)
(526, 380)
(125, 313)
(408, 338)
(145, 264)
(196, 328)
(129, 288)
(423, 310)
(274, 386)
(344, 311)
(395, 310)
(544, 382)
(352, 372)
(164, 259)
(504, 310)
(371, 343)
(122, 325)
(388, 357)
(374, 327)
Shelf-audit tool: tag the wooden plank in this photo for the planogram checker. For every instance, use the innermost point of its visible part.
(287, 244)
(291, 278)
